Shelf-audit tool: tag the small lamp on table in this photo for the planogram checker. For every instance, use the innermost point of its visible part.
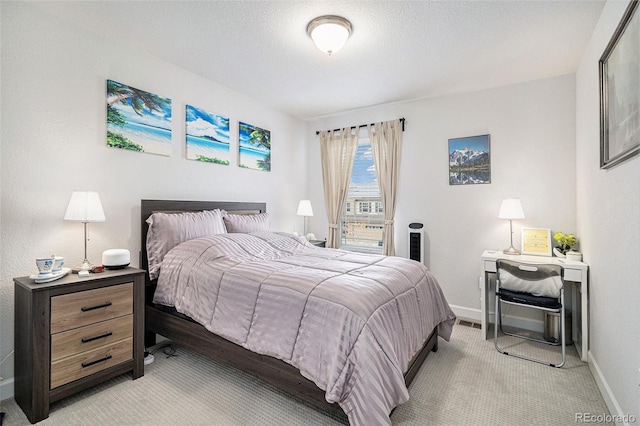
(85, 207)
(511, 209)
(305, 209)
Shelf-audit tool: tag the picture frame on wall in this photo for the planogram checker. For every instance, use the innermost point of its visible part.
(254, 147)
(536, 241)
(470, 160)
(620, 92)
(138, 120)
(207, 136)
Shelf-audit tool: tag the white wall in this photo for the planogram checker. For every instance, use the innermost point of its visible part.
(608, 209)
(532, 128)
(54, 141)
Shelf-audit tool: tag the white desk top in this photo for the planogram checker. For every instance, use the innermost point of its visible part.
(498, 254)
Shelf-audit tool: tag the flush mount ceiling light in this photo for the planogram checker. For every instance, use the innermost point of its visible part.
(329, 32)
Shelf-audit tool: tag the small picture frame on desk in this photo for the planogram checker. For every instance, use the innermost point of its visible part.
(536, 241)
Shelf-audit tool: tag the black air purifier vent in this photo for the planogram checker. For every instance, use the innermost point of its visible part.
(416, 250)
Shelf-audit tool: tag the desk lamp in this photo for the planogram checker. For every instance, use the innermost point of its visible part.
(85, 207)
(511, 209)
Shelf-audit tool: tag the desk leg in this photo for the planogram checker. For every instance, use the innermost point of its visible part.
(584, 315)
(484, 295)
(575, 327)
(580, 331)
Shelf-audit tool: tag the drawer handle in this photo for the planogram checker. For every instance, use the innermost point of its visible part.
(99, 336)
(107, 357)
(91, 308)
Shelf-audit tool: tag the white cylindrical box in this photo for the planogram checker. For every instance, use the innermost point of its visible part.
(116, 258)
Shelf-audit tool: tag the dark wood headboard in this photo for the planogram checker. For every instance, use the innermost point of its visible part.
(148, 207)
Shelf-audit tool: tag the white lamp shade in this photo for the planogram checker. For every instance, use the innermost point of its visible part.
(329, 33)
(304, 208)
(85, 206)
(511, 208)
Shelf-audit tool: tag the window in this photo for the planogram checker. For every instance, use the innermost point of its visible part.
(363, 219)
(365, 207)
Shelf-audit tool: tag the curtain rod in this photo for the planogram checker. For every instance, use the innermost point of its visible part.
(363, 125)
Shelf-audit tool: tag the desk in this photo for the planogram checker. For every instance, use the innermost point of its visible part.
(575, 273)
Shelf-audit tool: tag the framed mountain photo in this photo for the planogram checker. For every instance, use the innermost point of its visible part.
(470, 160)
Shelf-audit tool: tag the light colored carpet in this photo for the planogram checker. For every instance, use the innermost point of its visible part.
(467, 382)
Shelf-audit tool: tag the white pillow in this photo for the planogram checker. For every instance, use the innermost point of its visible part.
(247, 223)
(547, 287)
(167, 230)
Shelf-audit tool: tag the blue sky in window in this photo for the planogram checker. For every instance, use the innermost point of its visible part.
(364, 182)
(364, 171)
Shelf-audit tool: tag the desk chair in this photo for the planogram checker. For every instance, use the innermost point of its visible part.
(535, 286)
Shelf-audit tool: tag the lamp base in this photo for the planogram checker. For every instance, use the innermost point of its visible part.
(512, 251)
(85, 266)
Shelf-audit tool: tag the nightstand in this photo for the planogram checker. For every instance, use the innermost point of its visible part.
(74, 333)
(319, 243)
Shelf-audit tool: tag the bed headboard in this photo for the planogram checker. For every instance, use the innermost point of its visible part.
(148, 207)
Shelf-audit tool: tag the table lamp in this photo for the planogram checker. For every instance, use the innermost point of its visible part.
(85, 207)
(304, 209)
(511, 209)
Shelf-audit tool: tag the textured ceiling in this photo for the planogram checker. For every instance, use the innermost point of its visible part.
(399, 50)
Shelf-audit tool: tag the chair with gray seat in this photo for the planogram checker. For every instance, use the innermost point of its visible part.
(534, 286)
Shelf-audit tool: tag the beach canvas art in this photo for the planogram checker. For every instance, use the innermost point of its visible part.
(207, 136)
(138, 120)
(254, 148)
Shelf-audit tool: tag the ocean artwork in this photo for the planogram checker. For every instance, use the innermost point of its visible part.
(254, 148)
(469, 160)
(207, 136)
(138, 120)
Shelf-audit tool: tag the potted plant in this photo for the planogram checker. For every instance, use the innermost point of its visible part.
(565, 243)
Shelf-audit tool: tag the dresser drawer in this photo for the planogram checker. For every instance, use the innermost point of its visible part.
(87, 307)
(90, 337)
(75, 367)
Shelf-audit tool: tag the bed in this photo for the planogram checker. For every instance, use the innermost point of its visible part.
(292, 360)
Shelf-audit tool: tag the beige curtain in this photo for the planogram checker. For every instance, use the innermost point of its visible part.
(337, 152)
(386, 145)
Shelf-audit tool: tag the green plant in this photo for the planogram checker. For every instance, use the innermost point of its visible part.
(565, 241)
(211, 160)
(117, 140)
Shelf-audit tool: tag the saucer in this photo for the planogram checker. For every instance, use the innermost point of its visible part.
(45, 278)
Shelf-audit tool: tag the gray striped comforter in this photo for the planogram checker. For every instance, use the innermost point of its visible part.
(350, 322)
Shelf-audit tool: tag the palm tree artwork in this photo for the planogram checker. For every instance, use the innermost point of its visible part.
(138, 120)
(254, 147)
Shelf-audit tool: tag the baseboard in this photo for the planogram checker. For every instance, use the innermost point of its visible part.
(605, 390)
(469, 314)
(6, 389)
(475, 315)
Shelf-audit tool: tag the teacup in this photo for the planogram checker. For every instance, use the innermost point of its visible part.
(58, 263)
(45, 264)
